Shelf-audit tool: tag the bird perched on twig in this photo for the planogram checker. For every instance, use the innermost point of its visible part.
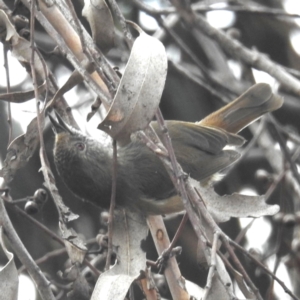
(85, 165)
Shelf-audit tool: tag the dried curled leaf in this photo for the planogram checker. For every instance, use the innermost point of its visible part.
(140, 89)
(8, 275)
(129, 230)
(101, 22)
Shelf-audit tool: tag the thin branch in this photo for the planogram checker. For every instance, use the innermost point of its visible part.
(166, 253)
(54, 254)
(284, 149)
(239, 266)
(9, 117)
(270, 291)
(212, 266)
(112, 205)
(266, 270)
(40, 116)
(118, 13)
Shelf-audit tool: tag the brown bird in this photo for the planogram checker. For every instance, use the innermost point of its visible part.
(85, 165)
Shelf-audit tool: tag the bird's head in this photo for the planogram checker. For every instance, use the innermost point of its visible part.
(68, 140)
(82, 163)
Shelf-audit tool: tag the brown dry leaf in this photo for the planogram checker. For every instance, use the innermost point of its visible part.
(8, 274)
(101, 22)
(128, 231)
(139, 91)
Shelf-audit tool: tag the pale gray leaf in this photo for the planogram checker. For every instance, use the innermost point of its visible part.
(140, 89)
(224, 278)
(218, 290)
(129, 230)
(222, 208)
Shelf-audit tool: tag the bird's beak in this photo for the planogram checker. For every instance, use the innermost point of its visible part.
(59, 125)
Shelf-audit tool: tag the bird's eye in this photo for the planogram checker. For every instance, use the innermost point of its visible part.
(80, 146)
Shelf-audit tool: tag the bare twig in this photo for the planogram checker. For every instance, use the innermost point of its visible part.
(117, 12)
(40, 121)
(166, 253)
(212, 267)
(284, 149)
(246, 253)
(276, 265)
(112, 205)
(53, 254)
(9, 117)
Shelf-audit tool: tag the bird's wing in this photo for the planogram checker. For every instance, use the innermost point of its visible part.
(199, 149)
(209, 139)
